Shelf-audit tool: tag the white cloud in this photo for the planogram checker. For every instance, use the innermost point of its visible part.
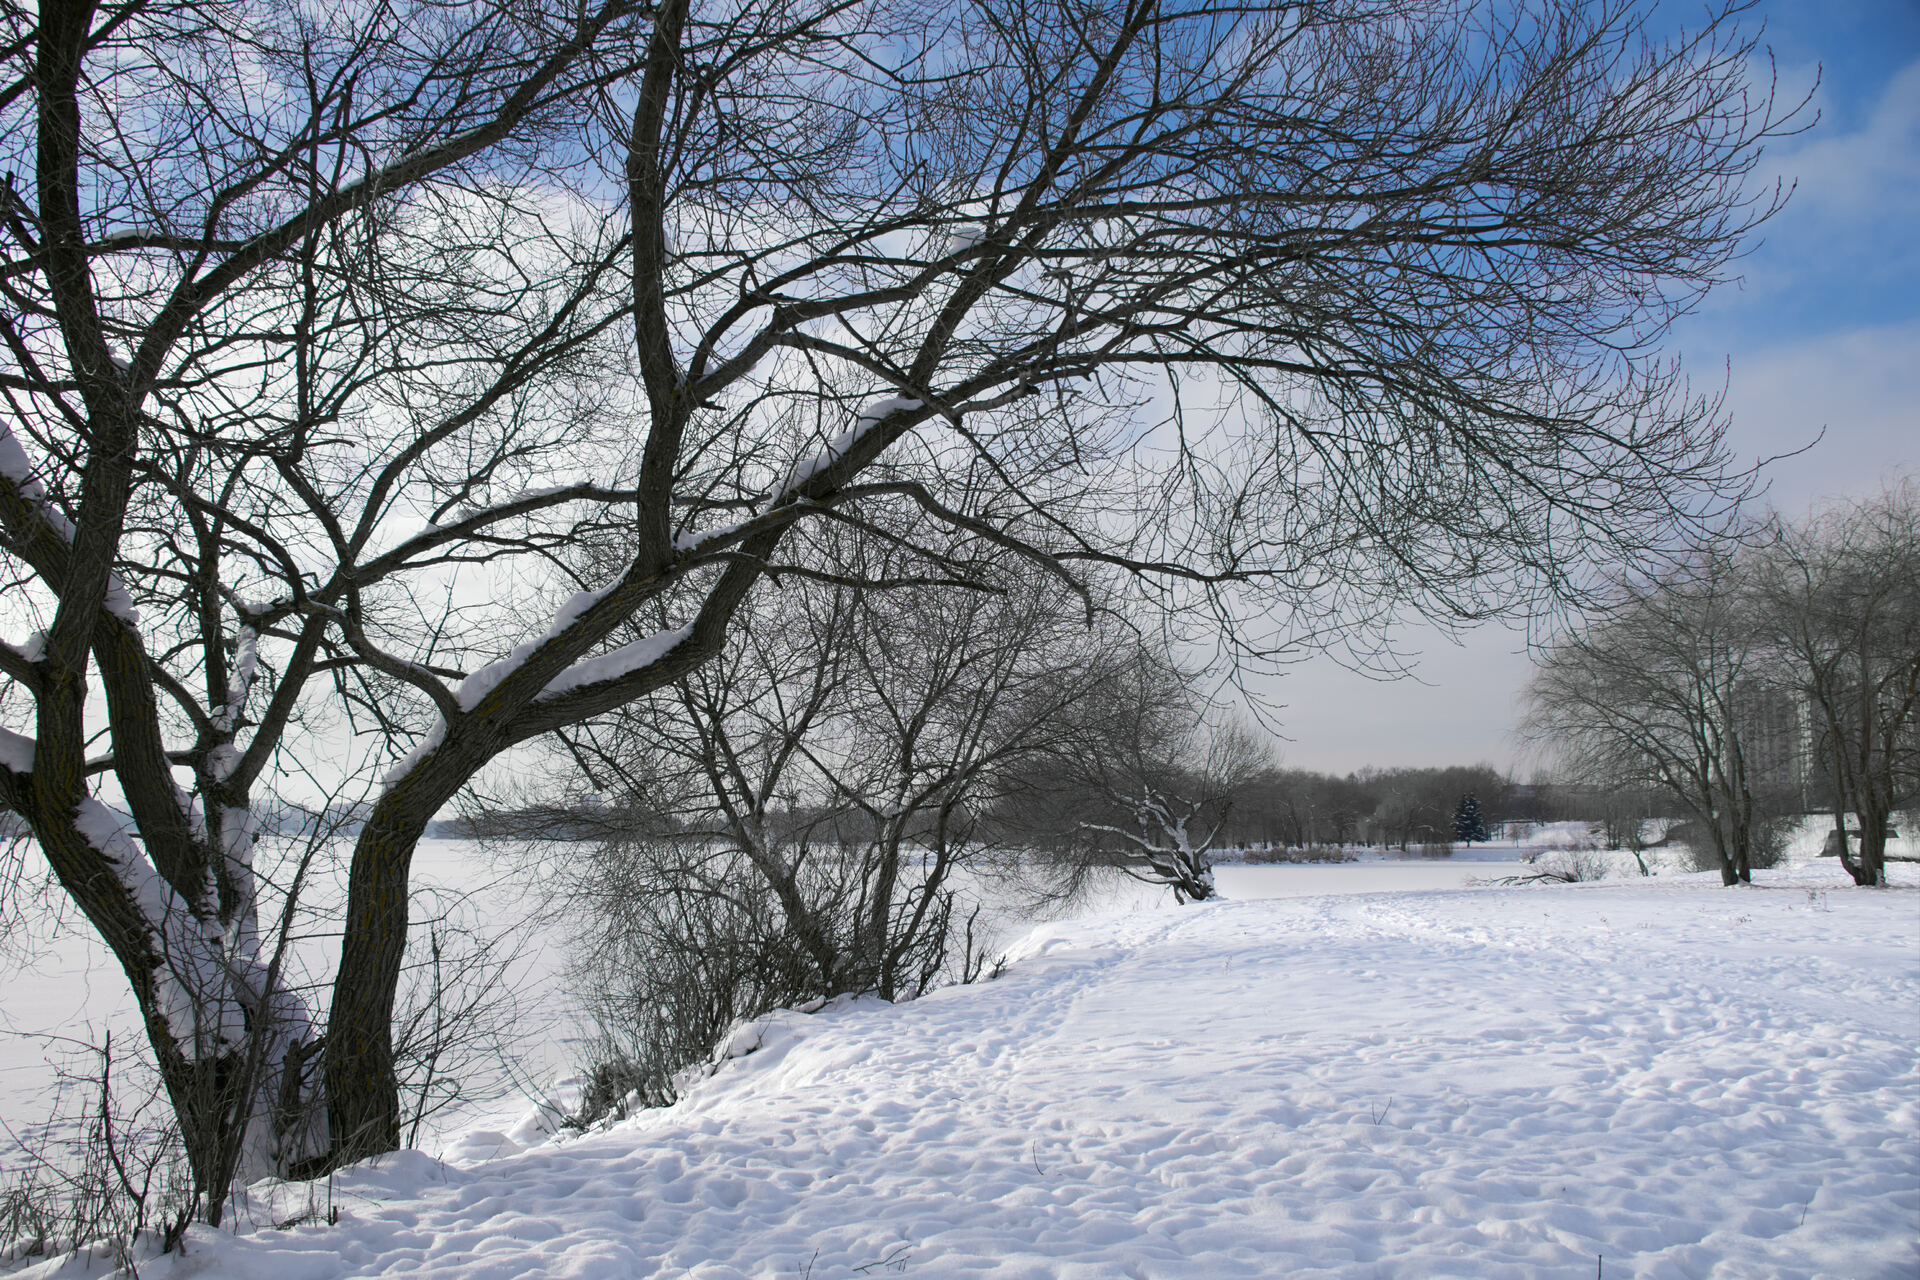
(1861, 386)
(1860, 173)
(1855, 197)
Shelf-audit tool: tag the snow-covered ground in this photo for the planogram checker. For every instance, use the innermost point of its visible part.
(62, 993)
(1644, 1078)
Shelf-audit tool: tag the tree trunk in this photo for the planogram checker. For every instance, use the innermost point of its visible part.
(1840, 845)
(800, 917)
(1194, 880)
(1873, 841)
(875, 957)
(363, 1089)
(1728, 875)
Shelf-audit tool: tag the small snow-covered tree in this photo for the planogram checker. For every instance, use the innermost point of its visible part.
(1169, 840)
(1153, 796)
(1468, 825)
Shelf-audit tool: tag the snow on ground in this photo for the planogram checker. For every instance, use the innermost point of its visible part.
(1651, 1078)
(61, 990)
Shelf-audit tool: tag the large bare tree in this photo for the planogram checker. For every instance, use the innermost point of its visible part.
(1839, 595)
(326, 330)
(253, 275)
(1658, 691)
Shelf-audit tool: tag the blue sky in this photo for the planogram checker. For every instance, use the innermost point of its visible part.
(1822, 332)
(1843, 252)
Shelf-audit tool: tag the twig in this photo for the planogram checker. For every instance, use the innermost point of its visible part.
(895, 1257)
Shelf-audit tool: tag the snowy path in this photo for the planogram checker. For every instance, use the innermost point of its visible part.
(1682, 1080)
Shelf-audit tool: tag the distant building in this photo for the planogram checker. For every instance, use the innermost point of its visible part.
(1776, 737)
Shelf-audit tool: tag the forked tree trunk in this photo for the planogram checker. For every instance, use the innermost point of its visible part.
(1729, 876)
(217, 1023)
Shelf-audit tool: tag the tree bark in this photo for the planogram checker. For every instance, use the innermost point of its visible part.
(363, 1090)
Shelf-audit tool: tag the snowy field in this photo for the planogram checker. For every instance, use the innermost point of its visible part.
(62, 993)
(1653, 1078)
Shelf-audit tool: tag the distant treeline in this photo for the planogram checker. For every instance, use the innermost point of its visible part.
(1291, 807)
(1402, 807)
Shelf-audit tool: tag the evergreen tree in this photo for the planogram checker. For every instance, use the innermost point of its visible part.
(1467, 824)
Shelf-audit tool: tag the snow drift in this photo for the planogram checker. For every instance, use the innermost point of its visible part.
(1660, 1077)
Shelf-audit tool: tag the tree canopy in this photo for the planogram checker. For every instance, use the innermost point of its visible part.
(333, 334)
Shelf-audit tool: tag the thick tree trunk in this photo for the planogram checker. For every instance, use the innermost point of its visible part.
(363, 1090)
(1729, 875)
(874, 950)
(1841, 847)
(207, 1099)
(1872, 869)
(1193, 880)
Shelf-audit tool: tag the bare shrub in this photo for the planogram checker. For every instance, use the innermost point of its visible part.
(671, 973)
(107, 1175)
(1561, 867)
(458, 1016)
(1589, 842)
(1766, 843)
(1769, 840)
(1695, 855)
(1436, 849)
(1270, 855)
(685, 942)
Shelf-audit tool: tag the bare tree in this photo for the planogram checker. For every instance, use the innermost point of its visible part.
(1626, 812)
(1152, 795)
(1655, 692)
(804, 816)
(842, 752)
(231, 337)
(326, 331)
(1840, 597)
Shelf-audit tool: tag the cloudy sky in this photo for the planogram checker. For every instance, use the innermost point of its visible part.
(1822, 332)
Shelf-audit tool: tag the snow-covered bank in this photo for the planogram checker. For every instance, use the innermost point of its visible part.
(1678, 1079)
(61, 990)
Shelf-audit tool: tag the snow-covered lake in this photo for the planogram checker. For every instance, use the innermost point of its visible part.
(62, 991)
